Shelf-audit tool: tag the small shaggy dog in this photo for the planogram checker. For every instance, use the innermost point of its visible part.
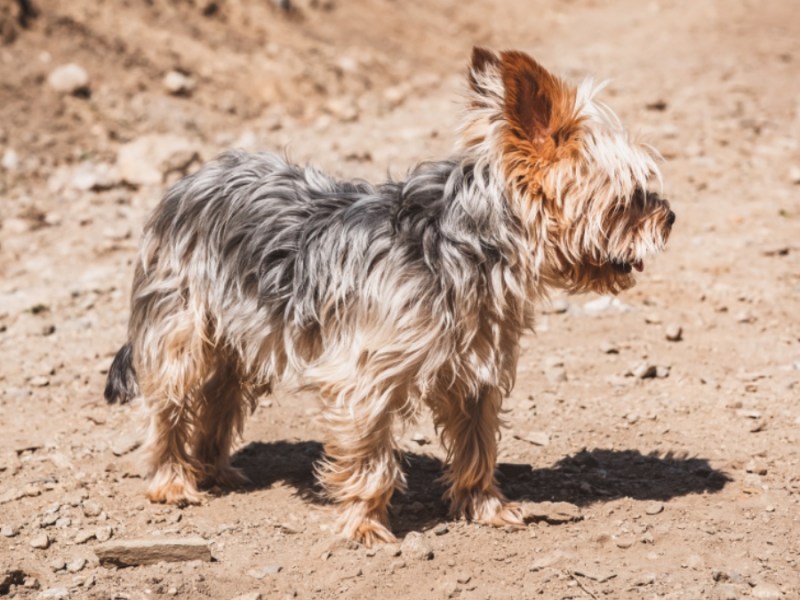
(382, 298)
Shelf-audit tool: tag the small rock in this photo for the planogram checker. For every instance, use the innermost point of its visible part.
(652, 319)
(58, 564)
(416, 546)
(9, 531)
(147, 551)
(645, 370)
(149, 159)
(420, 438)
(624, 542)
(748, 413)
(103, 534)
(84, 536)
(674, 333)
(767, 591)
(726, 591)
(40, 541)
(262, 572)
(69, 79)
(392, 549)
(608, 347)
(745, 316)
(55, 594)
(662, 372)
(646, 579)
(10, 160)
(554, 513)
(654, 508)
(441, 529)
(794, 175)
(76, 565)
(178, 84)
(39, 381)
(91, 508)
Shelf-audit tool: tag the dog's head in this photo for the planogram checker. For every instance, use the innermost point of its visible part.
(570, 171)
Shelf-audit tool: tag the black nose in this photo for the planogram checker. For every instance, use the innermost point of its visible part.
(670, 218)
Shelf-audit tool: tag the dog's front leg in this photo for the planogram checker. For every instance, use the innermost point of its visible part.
(470, 429)
(361, 471)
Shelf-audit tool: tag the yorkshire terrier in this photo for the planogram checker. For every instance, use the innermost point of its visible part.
(382, 298)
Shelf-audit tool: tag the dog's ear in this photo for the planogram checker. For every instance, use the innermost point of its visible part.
(535, 100)
(484, 76)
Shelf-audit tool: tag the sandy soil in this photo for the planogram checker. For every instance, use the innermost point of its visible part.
(681, 486)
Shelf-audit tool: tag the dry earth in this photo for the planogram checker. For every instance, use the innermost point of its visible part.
(681, 486)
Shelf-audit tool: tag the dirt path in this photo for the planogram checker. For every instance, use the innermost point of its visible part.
(681, 486)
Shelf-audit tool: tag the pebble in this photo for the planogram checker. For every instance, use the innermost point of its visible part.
(745, 316)
(58, 564)
(39, 381)
(76, 565)
(103, 534)
(68, 79)
(415, 546)
(91, 508)
(794, 175)
(645, 371)
(608, 347)
(40, 541)
(624, 542)
(654, 508)
(249, 596)
(178, 84)
(10, 160)
(767, 591)
(441, 529)
(84, 536)
(148, 159)
(262, 572)
(9, 531)
(673, 333)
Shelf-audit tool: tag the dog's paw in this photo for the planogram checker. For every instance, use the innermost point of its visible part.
(364, 526)
(488, 509)
(173, 488)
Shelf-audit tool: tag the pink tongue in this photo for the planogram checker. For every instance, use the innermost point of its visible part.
(638, 265)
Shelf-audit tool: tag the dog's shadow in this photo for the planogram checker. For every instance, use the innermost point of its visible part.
(582, 479)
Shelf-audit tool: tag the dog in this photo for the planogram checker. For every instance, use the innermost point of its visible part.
(384, 299)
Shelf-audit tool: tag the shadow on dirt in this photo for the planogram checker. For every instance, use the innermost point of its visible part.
(582, 479)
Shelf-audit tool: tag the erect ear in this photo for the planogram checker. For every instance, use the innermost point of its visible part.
(534, 97)
(484, 75)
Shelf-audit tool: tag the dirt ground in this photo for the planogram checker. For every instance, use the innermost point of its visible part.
(680, 486)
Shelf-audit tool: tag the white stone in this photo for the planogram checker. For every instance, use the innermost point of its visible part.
(68, 79)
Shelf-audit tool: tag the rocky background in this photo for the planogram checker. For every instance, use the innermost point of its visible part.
(653, 438)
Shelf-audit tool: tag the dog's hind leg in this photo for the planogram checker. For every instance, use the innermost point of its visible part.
(470, 429)
(223, 406)
(172, 370)
(361, 471)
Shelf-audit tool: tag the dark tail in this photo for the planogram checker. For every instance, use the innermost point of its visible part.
(121, 383)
